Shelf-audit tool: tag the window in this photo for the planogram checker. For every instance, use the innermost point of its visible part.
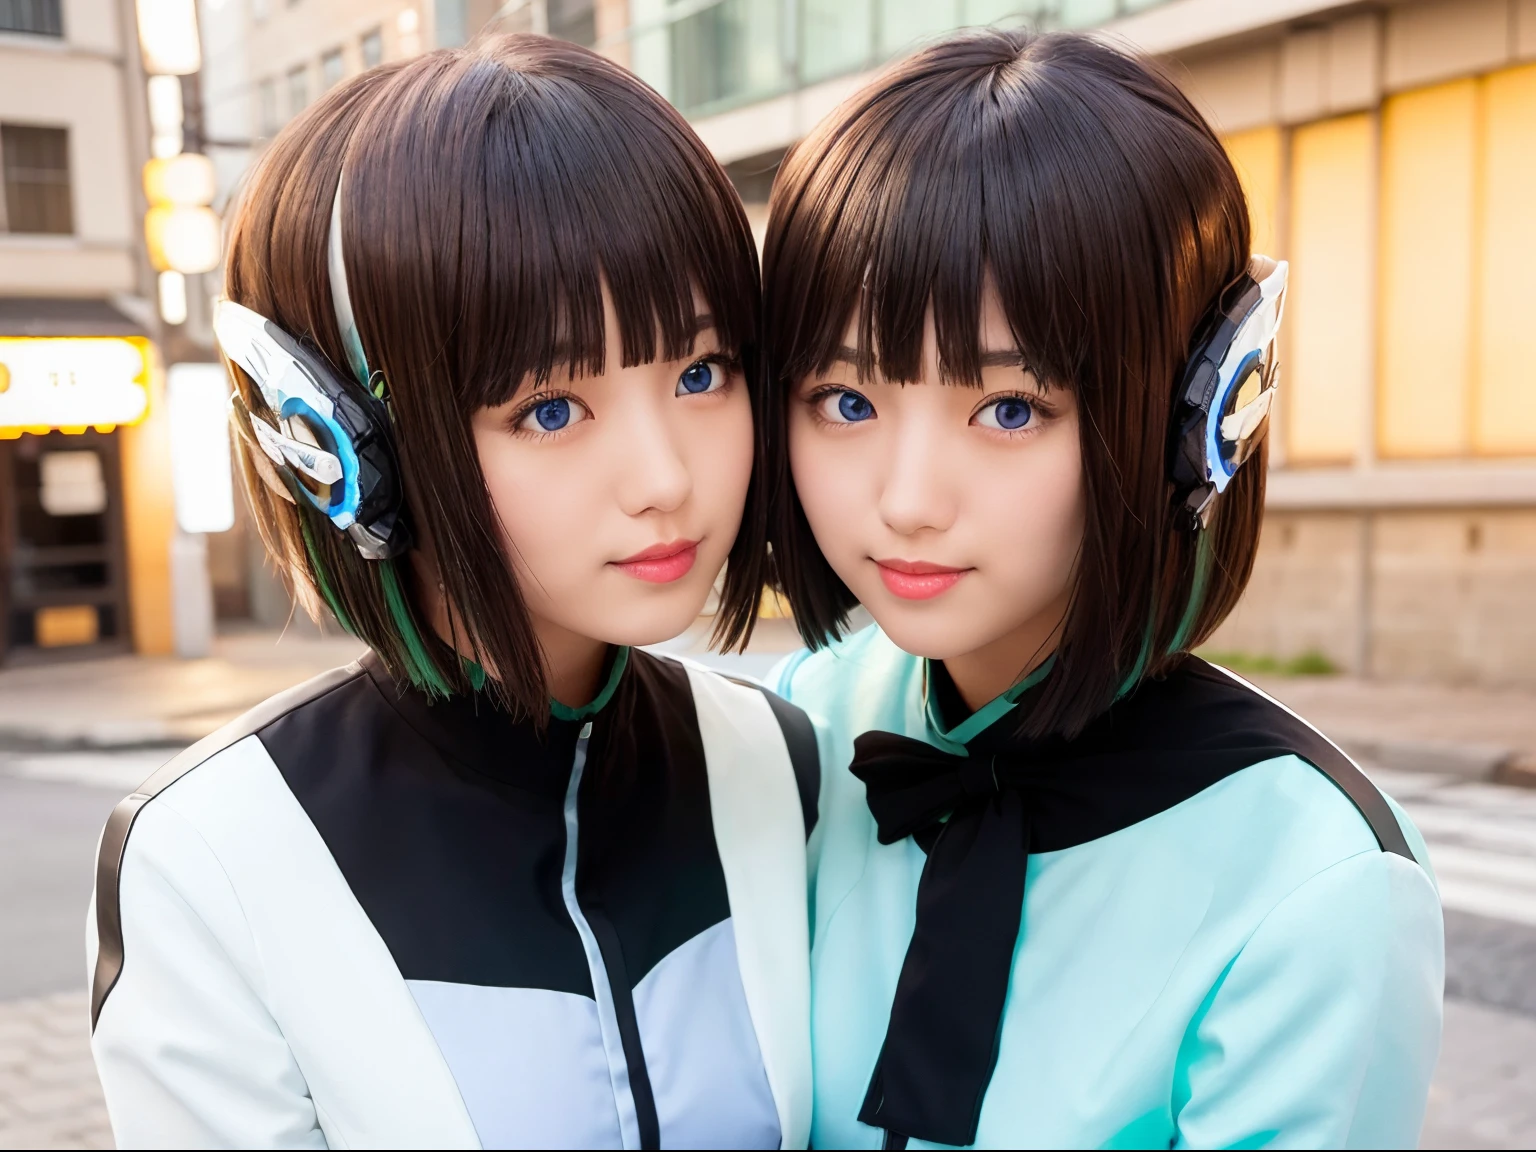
(451, 23)
(331, 69)
(836, 36)
(39, 17)
(37, 188)
(574, 20)
(298, 90)
(373, 48)
(266, 106)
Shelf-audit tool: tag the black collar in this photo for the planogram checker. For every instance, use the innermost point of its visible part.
(981, 813)
(472, 732)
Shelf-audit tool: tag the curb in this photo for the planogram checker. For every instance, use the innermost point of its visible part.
(132, 736)
(1464, 761)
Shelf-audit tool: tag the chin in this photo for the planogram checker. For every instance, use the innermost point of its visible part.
(925, 632)
(659, 614)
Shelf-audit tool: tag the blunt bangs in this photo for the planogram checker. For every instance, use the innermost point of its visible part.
(489, 194)
(1021, 157)
(508, 183)
(1085, 186)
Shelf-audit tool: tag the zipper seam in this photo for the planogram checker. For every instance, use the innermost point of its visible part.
(628, 1076)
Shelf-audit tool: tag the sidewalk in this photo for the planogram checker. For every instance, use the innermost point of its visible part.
(132, 701)
(157, 701)
(1474, 733)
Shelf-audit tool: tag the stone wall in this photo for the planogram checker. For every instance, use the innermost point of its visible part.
(1447, 596)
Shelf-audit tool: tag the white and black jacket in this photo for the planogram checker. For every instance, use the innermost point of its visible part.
(357, 918)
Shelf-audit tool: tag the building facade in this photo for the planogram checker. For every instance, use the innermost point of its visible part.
(1389, 151)
(86, 518)
(1387, 148)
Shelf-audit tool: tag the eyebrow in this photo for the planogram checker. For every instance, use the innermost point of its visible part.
(1002, 358)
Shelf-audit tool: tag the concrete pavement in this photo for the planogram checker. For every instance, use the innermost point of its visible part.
(74, 738)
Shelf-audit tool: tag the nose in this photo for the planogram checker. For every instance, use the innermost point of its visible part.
(916, 494)
(654, 475)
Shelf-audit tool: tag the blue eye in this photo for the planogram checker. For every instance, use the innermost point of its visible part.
(553, 415)
(1009, 413)
(844, 407)
(700, 377)
(853, 407)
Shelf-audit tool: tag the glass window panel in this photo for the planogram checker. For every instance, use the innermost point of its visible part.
(574, 20)
(903, 23)
(331, 69)
(266, 102)
(650, 45)
(298, 90)
(38, 194)
(1505, 388)
(38, 17)
(1085, 13)
(450, 22)
(1428, 165)
(836, 36)
(1325, 378)
(1005, 12)
(373, 48)
(725, 53)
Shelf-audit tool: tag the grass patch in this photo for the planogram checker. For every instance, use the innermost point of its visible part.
(1309, 663)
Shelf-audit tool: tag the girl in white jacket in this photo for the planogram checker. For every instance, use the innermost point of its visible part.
(506, 881)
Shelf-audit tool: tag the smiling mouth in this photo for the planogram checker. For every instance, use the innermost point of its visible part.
(661, 563)
(918, 580)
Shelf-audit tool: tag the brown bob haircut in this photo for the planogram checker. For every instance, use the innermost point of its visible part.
(1110, 219)
(491, 193)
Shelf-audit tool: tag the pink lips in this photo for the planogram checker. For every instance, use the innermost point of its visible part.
(661, 563)
(918, 580)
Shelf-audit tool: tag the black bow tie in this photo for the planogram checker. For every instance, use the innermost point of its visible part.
(941, 1043)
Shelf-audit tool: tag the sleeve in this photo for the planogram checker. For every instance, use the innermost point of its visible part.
(188, 1055)
(1324, 1031)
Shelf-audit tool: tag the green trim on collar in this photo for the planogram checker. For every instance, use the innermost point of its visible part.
(560, 712)
(956, 738)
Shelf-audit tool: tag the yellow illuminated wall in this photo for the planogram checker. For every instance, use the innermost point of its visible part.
(149, 518)
(1326, 377)
(1258, 156)
(1429, 162)
(1504, 400)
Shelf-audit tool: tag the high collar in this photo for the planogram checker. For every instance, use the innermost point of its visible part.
(475, 734)
(944, 710)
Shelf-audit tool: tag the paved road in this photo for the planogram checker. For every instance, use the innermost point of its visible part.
(1482, 837)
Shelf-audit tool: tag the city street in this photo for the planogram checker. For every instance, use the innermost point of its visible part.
(52, 805)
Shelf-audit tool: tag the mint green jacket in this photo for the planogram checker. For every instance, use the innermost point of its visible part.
(1245, 969)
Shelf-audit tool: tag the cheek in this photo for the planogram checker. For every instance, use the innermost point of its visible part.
(727, 451)
(1041, 532)
(538, 526)
(827, 474)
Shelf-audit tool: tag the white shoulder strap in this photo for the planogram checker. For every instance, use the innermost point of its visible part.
(760, 831)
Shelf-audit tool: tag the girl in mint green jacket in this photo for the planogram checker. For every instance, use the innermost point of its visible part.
(1073, 886)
